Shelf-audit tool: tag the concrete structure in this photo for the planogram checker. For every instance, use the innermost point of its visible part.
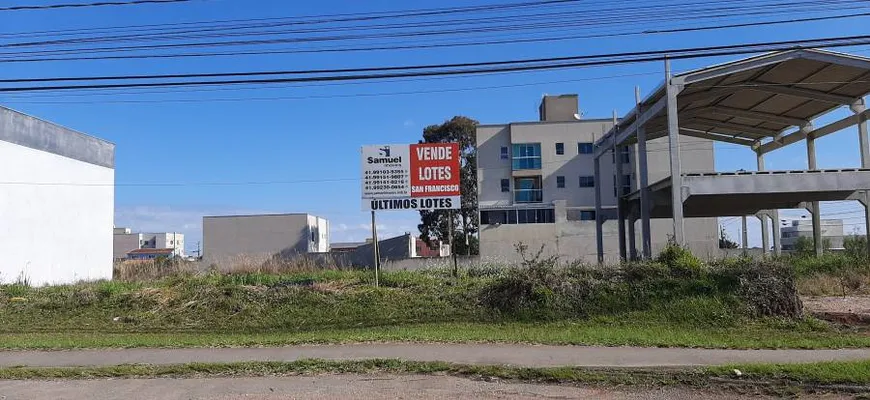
(151, 254)
(125, 241)
(56, 202)
(536, 185)
(227, 237)
(832, 232)
(394, 249)
(764, 103)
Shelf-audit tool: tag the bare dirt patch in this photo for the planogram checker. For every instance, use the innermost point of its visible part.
(848, 310)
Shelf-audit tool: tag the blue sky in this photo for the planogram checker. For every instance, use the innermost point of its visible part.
(314, 133)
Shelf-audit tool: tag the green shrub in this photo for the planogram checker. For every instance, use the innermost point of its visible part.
(856, 247)
(680, 261)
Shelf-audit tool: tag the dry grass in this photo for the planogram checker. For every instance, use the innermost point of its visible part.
(845, 283)
(149, 270)
(146, 270)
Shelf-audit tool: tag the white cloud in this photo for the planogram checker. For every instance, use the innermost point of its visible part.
(409, 123)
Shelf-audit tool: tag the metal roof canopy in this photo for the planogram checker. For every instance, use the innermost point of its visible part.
(765, 102)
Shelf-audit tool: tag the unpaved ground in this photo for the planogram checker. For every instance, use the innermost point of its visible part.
(338, 387)
(852, 311)
(479, 354)
(848, 304)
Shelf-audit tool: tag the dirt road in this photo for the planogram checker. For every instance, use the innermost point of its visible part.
(333, 387)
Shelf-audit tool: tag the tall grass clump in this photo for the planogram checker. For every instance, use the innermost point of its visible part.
(676, 287)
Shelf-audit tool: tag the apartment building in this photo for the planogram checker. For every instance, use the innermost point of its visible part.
(536, 185)
(125, 240)
(833, 234)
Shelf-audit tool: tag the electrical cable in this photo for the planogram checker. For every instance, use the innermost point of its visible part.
(672, 53)
(89, 5)
(501, 66)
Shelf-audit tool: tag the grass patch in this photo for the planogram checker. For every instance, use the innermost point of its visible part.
(819, 376)
(824, 373)
(602, 332)
(676, 300)
(376, 366)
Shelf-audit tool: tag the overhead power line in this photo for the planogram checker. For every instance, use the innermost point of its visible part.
(581, 17)
(478, 26)
(431, 46)
(88, 5)
(440, 69)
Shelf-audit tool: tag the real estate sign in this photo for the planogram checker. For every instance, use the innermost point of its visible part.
(410, 177)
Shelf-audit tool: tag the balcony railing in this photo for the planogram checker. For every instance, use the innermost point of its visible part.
(528, 196)
(521, 163)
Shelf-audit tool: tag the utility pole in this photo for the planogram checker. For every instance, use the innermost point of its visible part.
(450, 239)
(375, 249)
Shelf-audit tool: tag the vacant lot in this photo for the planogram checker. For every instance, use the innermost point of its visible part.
(675, 301)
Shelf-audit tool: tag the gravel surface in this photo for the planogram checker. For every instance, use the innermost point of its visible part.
(335, 387)
(480, 354)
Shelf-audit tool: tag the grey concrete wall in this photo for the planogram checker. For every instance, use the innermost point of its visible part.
(124, 243)
(37, 134)
(391, 250)
(559, 108)
(226, 237)
(491, 168)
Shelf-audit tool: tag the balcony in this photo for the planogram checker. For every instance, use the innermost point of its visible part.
(528, 196)
(526, 156)
(528, 190)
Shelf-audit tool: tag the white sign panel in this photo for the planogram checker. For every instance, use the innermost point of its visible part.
(411, 177)
(386, 171)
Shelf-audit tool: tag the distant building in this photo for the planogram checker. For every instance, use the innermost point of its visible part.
(437, 249)
(832, 231)
(392, 249)
(345, 247)
(56, 202)
(125, 241)
(536, 186)
(151, 254)
(231, 236)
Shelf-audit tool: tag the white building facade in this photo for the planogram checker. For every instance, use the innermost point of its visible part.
(536, 186)
(56, 203)
(833, 234)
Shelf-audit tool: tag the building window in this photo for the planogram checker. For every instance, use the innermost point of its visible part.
(625, 155)
(505, 185)
(587, 181)
(560, 182)
(313, 236)
(527, 156)
(587, 215)
(514, 217)
(626, 185)
(504, 153)
(560, 149)
(585, 148)
(528, 190)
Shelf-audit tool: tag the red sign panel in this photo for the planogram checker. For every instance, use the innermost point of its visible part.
(435, 170)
